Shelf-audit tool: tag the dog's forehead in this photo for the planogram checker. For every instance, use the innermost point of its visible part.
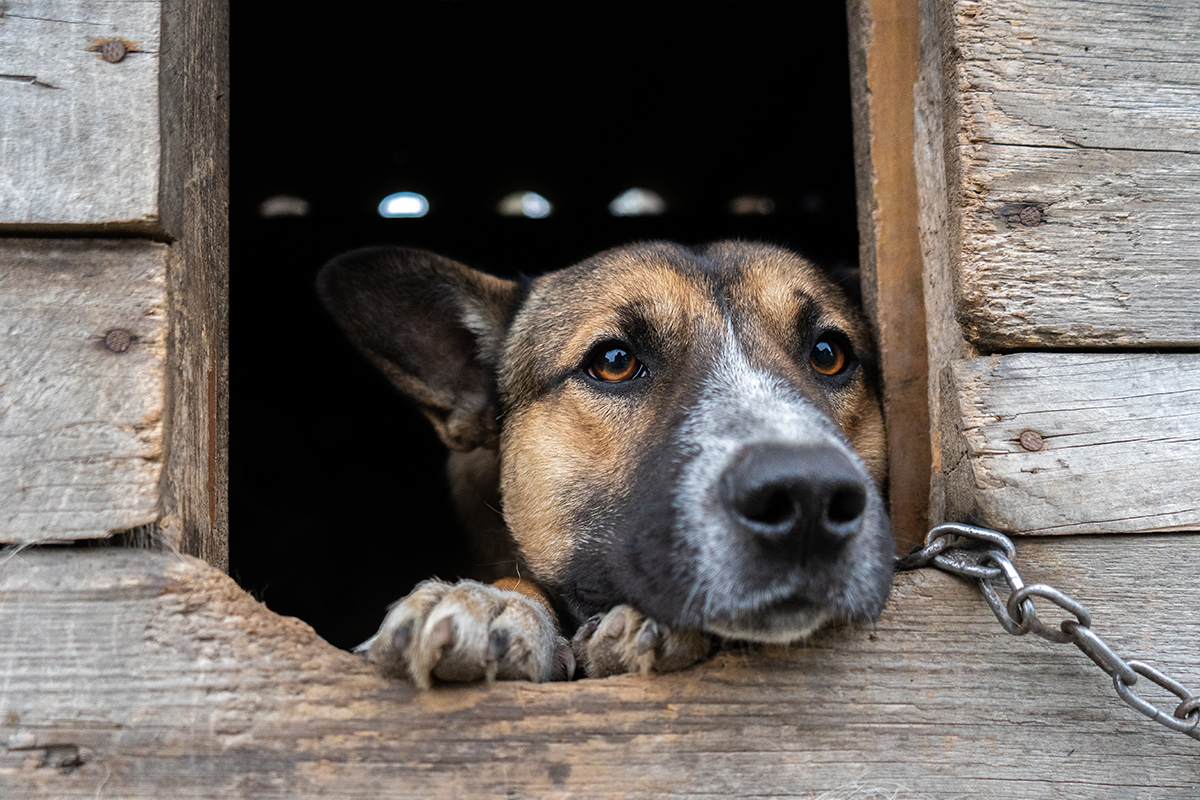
(656, 273)
(671, 287)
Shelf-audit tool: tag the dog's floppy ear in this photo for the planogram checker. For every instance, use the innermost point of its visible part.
(434, 327)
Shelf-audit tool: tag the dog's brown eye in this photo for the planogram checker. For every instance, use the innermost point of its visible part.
(614, 364)
(828, 357)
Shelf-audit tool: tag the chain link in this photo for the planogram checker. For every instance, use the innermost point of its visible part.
(987, 556)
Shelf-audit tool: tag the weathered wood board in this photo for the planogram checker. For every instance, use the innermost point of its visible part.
(1073, 171)
(1117, 440)
(79, 136)
(1115, 261)
(1120, 451)
(145, 675)
(883, 66)
(1090, 74)
(81, 437)
(194, 94)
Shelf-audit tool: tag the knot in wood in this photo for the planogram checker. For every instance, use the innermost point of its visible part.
(113, 50)
(1031, 441)
(118, 340)
(1031, 216)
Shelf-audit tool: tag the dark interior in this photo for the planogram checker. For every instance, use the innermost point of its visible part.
(338, 504)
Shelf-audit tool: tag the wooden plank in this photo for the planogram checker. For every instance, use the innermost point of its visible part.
(195, 112)
(1117, 441)
(883, 59)
(79, 136)
(1086, 116)
(936, 155)
(1092, 74)
(1115, 261)
(80, 418)
(144, 675)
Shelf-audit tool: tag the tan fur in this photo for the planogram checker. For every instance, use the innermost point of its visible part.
(550, 447)
(450, 632)
(526, 588)
(625, 640)
(673, 302)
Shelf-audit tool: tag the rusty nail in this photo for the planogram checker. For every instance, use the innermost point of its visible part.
(1031, 441)
(1031, 216)
(114, 50)
(118, 340)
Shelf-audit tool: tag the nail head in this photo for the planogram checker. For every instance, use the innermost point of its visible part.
(118, 340)
(113, 51)
(1031, 216)
(1032, 441)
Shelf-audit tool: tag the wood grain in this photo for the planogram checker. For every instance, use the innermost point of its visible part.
(79, 140)
(883, 58)
(1092, 74)
(195, 202)
(936, 156)
(80, 425)
(1089, 114)
(1119, 435)
(145, 675)
(1115, 261)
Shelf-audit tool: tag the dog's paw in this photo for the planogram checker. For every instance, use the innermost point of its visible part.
(624, 640)
(468, 631)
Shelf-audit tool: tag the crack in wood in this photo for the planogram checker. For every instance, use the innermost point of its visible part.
(29, 79)
(1075, 145)
(51, 19)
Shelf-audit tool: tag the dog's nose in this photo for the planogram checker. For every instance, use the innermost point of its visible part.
(805, 499)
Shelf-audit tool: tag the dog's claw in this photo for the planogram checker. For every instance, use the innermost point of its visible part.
(497, 645)
(588, 629)
(623, 640)
(564, 662)
(649, 638)
(468, 631)
(401, 637)
(613, 627)
(442, 633)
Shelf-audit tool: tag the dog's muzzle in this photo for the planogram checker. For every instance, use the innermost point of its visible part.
(779, 526)
(806, 541)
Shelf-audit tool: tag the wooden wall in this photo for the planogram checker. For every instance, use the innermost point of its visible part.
(80, 129)
(1057, 153)
(115, 355)
(84, 323)
(883, 68)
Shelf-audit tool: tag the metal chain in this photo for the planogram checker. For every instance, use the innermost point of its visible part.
(987, 556)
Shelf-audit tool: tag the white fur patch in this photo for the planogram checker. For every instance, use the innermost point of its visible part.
(741, 405)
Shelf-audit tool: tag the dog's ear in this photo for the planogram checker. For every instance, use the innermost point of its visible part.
(434, 327)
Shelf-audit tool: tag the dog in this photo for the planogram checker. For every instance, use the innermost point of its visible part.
(686, 445)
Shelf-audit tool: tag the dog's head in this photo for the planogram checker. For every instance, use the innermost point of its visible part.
(694, 432)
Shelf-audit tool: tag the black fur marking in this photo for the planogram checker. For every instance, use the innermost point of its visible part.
(629, 553)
